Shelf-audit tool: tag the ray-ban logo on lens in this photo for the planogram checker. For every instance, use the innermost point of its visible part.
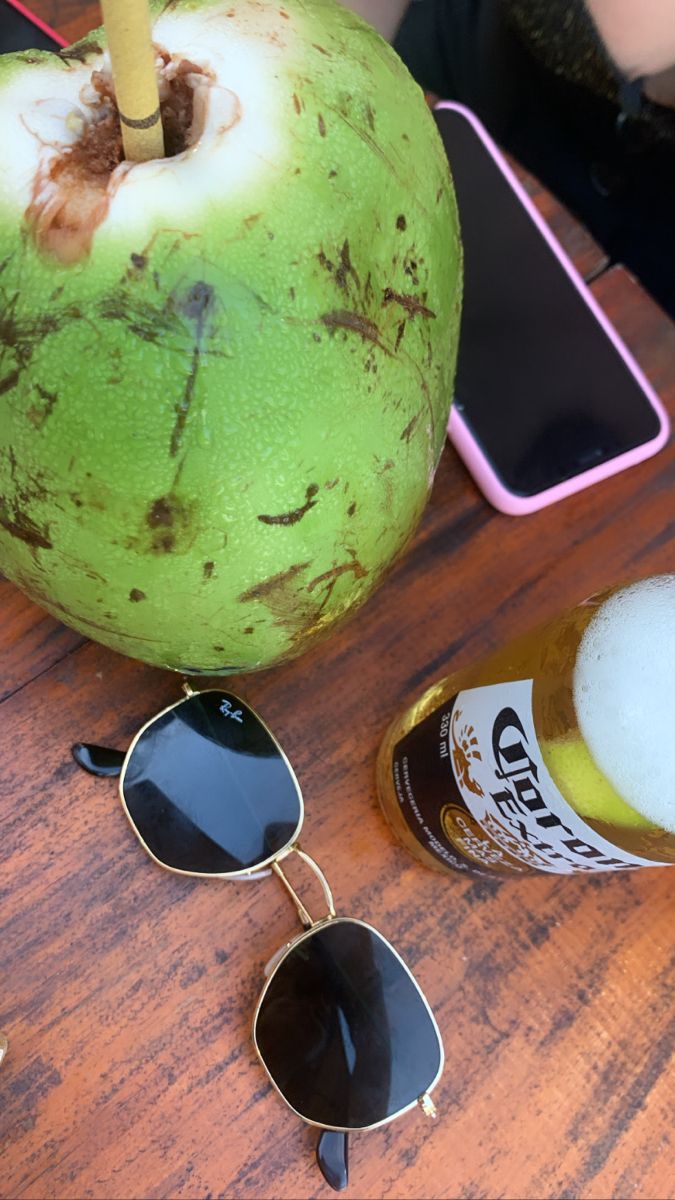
(228, 711)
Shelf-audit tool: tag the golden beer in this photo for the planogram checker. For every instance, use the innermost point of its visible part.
(554, 754)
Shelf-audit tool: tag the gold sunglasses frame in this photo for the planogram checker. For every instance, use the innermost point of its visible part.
(259, 870)
(424, 1101)
(311, 927)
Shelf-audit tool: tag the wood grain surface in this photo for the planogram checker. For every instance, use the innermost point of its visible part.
(127, 993)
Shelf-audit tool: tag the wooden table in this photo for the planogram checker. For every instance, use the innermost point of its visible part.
(128, 993)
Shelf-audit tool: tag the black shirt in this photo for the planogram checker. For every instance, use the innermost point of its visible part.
(538, 75)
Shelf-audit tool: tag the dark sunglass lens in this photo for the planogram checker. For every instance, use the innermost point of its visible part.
(208, 788)
(344, 1030)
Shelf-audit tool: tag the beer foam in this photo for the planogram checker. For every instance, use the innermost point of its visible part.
(623, 695)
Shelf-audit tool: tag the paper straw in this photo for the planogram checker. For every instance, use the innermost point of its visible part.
(127, 26)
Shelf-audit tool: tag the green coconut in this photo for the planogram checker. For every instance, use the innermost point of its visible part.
(224, 375)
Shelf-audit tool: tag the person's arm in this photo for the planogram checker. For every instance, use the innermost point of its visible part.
(639, 34)
(385, 15)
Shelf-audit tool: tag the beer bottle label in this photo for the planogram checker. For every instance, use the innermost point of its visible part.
(475, 790)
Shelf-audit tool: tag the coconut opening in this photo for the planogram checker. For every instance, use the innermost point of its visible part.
(75, 182)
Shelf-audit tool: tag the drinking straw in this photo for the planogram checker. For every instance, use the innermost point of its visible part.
(132, 57)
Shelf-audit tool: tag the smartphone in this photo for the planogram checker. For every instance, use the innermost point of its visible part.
(547, 399)
(20, 29)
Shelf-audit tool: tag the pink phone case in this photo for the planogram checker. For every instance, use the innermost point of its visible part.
(463, 440)
(39, 24)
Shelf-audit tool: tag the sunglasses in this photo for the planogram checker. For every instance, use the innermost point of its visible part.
(342, 1028)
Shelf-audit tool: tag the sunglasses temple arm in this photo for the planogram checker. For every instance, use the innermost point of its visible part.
(98, 760)
(332, 1156)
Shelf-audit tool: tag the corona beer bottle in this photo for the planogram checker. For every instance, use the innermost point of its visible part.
(555, 754)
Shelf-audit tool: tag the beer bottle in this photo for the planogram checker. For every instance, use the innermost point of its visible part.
(555, 754)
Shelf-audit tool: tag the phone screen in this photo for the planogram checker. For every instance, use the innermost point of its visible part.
(540, 385)
(17, 32)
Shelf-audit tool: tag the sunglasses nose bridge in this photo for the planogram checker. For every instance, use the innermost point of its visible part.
(303, 913)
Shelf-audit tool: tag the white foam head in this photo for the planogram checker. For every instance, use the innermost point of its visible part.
(624, 686)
